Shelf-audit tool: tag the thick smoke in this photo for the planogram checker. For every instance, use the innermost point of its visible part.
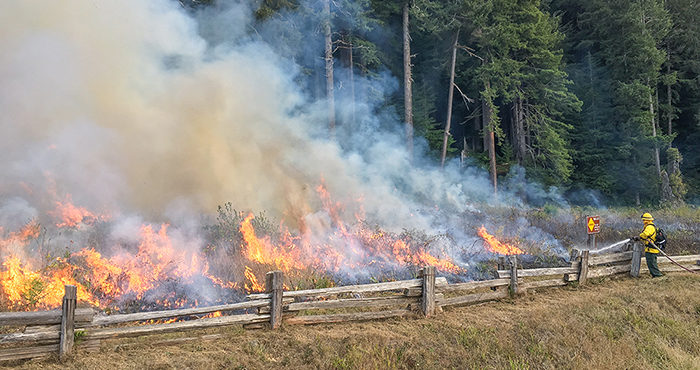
(142, 112)
(125, 107)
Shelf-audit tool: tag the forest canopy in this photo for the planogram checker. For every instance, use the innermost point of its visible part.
(600, 95)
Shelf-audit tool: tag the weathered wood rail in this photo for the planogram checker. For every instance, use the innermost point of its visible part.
(48, 333)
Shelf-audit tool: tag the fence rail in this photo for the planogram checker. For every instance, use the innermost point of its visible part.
(53, 332)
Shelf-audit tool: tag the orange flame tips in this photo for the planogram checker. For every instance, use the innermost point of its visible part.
(213, 314)
(261, 250)
(494, 245)
(441, 264)
(25, 288)
(29, 231)
(73, 216)
(252, 284)
(254, 247)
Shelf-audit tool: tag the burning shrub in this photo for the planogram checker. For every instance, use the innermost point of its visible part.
(226, 233)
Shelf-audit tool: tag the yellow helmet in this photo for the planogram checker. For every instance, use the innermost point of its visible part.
(647, 217)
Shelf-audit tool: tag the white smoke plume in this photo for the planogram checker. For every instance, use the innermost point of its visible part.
(141, 112)
(124, 106)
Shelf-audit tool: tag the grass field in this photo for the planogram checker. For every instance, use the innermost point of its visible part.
(611, 323)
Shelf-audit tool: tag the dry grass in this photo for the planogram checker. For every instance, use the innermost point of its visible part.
(611, 324)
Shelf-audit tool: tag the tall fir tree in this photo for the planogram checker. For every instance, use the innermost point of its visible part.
(523, 54)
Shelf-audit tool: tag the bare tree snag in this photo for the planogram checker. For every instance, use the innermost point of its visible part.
(450, 96)
(669, 98)
(407, 80)
(351, 76)
(653, 133)
(330, 95)
(519, 129)
(490, 140)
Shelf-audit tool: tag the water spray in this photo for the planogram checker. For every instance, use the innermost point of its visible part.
(598, 251)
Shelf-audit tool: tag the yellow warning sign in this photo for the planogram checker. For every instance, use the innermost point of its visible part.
(593, 224)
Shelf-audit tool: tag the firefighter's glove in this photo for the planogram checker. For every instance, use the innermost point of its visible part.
(636, 238)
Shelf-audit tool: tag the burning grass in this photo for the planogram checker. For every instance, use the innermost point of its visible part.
(119, 265)
(162, 268)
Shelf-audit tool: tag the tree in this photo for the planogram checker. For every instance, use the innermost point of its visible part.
(523, 70)
(450, 98)
(328, 43)
(592, 137)
(436, 18)
(407, 79)
(627, 36)
(682, 84)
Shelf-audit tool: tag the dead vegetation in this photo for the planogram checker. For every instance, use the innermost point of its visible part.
(612, 323)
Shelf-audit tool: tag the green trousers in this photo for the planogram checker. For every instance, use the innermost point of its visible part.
(651, 263)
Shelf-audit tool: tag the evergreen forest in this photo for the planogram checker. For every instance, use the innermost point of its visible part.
(585, 95)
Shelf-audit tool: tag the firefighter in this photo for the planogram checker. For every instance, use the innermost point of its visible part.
(648, 235)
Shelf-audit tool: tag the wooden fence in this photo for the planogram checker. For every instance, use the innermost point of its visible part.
(59, 331)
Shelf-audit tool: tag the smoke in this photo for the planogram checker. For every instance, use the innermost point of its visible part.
(143, 113)
(127, 106)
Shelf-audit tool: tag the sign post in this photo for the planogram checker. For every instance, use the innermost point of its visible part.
(592, 227)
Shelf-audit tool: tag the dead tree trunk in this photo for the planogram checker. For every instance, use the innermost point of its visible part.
(669, 99)
(450, 97)
(490, 139)
(653, 133)
(329, 66)
(484, 128)
(407, 80)
(519, 130)
(528, 132)
(492, 158)
(351, 77)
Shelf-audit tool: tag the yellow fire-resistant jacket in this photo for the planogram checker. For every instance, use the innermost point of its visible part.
(649, 234)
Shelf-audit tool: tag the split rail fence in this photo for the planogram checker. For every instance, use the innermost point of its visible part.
(47, 333)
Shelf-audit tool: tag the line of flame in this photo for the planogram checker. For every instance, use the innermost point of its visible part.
(496, 246)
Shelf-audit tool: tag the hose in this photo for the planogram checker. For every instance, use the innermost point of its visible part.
(671, 259)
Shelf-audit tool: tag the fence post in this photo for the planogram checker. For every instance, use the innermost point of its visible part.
(70, 299)
(513, 259)
(428, 302)
(575, 254)
(636, 259)
(273, 285)
(583, 269)
(501, 262)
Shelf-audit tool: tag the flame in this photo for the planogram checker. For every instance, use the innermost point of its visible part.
(213, 314)
(264, 252)
(28, 232)
(99, 280)
(336, 246)
(72, 216)
(15, 279)
(251, 284)
(26, 287)
(494, 245)
(424, 258)
(150, 266)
